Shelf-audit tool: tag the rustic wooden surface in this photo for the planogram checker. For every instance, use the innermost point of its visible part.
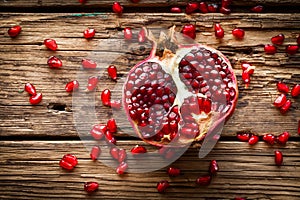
(34, 138)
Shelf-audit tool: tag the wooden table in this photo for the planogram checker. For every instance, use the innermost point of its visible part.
(34, 138)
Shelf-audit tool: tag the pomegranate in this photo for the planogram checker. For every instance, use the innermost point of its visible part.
(278, 39)
(286, 106)
(292, 49)
(238, 33)
(162, 186)
(98, 131)
(68, 162)
(88, 64)
(89, 33)
(203, 180)
(189, 30)
(105, 97)
(175, 10)
(118, 154)
(269, 138)
(280, 101)
(36, 99)
(219, 31)
(14, 31)
(174, 93)
(138, 149)
(95, 152)
(191, 7)
(173, 171)
(270, 49)
(121, 169)
(92, 83)
(295, 90)
(278, 158)
(283, 138)
(203, 7)
(127, 33)
(253, 139)
(112, 72)
(30, 89)
(72, 86)
(117, 8)
(90, 186)
(257, 9)
(243, 137)
(212, 8)
(50, 44)
(282, 87)
(214, 167)
(54, 62)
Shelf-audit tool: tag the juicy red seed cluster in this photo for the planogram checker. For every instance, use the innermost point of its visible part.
(280, 139)
(248, 137)
(35, 98)
(278, 40)
(68, 162)
(282, 102)
(101, 131)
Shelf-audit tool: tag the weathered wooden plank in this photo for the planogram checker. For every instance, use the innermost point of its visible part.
(30, 170)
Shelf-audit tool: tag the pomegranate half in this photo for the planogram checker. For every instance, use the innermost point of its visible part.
(180, 93)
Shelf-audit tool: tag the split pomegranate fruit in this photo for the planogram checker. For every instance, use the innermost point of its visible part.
(180, 92)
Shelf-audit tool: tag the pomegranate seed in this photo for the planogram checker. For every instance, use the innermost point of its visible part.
(270, 49)
(50, 44)
(246, 78)
(110, 138)
(212, 8)
(36, 99)
(114, 152)
(278, 39)
(286, 106)
(189, 30)
(72, 86)
(298, 127)
(68, 162)
(91, 186)
(253, 139)
(225, 11)
(204, 180)
(142, 36)
(135, 1)
(269, 138)
(54, 62)
(98, 131)
(191, 7)
(95, 152)
(243, 137)
(214, 167)
(283, 138)
(238, 33)
(127, 33)
(92, 83)
(112, 72)
(219, 31)
(226, 3)
(138, 149)
(117, 8)
(203, 7)
(14, 31)
(122, 168)
(111, 125)
(116, 104)
(122, 155)
(257, 9)
(282, 87)
(173, 171)
(89, 33)
(176, 10)
(88, 64)
(292, 49)
(105, 97)
(295, 90)
(298, 40)
(162, 186)
(278, 158)
(30, 89)
(280, 101)
(246, 67)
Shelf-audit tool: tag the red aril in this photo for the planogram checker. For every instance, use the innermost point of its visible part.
(122, 155)
(138, 149)
(246, 78)
(36, 99)
(92, 83)
(270, 49)
(269, 138)
(292, 49)
(214, 167)
(282, 87)
(278, 158)
(114, 152)
(203, 180)
(121, 169)
(115, 104)
(98, 131)
(127, 33)
(112, 125)
(246, 67)
(88, 64)
(226, 3)
(189, 30)
(117, 8)
(298, 127)
(257, 9)
(173, 171)
(278, 39)
(295, 91)
(243, 137)
(162, 186)
(285, 106)
(219, 31)
(191, 7)
(283, 138)
(212, 8)
(238, 33)
(91, 186)
(142, 36)
(110, 138)
(225, 11)
(203, 7)
(68, 161)
(175, 10)
(50, 44)
(253, 139)
(72, 86)
(30, 89)
(54, 62)
(14, 31)
(118, 154)
(95, 152)
(89, 33)
(105, 97)
(112, 72)
(280, 101)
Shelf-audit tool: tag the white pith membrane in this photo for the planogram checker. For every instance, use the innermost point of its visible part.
(186, 99)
